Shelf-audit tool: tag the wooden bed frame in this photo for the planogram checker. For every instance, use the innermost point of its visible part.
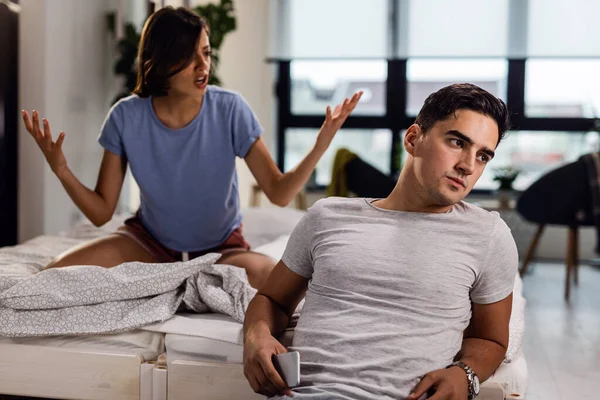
(188, 380)
(39, 371)
(55, 372)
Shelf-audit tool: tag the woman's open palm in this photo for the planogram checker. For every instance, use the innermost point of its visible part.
(52, 150)
(334, 120)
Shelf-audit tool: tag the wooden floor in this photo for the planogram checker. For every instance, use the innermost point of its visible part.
(562, 339)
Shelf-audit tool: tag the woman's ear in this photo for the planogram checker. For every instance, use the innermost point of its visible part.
(411, 137)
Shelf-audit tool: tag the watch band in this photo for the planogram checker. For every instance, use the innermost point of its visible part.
(470, 377)
(464, 366)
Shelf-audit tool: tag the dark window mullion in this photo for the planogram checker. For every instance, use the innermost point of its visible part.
(515, 92)
(353, 122)
(557, 124)
(283, 92)
(395, 108)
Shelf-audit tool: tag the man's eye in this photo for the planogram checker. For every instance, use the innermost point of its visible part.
(484, 158)
(457, 143)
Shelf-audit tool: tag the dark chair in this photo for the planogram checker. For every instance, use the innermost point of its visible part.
(364, 180)
(560, 197)
(352, 175)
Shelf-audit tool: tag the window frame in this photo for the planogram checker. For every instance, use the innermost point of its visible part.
(396, 89)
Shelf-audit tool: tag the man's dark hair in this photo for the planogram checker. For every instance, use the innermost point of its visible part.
(168, 45)
(463, 96)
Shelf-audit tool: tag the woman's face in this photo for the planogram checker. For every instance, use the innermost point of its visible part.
(193, 79)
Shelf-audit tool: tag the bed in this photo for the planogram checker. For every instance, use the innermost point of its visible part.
(188, 356)
(121, 366)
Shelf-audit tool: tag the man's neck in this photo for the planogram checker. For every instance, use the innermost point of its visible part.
(176, 112)
(409, 196)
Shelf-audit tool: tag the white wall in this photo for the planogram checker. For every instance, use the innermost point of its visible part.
(64, 52)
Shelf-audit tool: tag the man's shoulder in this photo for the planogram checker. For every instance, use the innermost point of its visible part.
(490, 221)
(476, 212)
(337, 204)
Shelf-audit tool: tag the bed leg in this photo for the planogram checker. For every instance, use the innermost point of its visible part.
(159, 383)
(146, 380)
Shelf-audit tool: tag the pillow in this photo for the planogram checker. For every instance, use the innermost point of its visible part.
(274, 249)
(516, 328)
(264, 225)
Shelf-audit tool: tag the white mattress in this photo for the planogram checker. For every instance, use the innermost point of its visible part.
(218, 327)
(205, 337)
(146, 345)
(191, 348)
(201, 337)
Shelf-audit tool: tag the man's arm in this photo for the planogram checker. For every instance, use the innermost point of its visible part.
(486, 339)
(267, 317)
(483, 348)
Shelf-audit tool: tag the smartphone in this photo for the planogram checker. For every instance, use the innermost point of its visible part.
(288, 367)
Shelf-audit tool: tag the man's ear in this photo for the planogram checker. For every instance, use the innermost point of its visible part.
(411, 137)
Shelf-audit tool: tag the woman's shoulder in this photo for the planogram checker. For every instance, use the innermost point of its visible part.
(222, 96)
(128, 107)
(130, 103)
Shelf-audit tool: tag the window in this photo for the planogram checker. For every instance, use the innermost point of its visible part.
(563, 29)
(562, 88)
(373, 146)
(317, 84)
(333, 28)
(540, 56)
(457, 28)
(425, 76)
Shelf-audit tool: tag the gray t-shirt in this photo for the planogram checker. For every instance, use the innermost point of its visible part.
(390, 292)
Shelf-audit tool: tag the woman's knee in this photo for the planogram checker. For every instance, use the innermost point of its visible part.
(55, 263)
(258, 266)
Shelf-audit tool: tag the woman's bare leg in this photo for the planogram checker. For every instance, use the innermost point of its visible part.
(108, 251)
(258, 266)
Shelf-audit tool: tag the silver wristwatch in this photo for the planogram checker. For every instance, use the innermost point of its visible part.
(471, 377)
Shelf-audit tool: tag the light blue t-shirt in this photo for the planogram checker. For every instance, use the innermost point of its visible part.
(189, 198)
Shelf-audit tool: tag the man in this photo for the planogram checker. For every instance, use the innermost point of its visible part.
(407, 296)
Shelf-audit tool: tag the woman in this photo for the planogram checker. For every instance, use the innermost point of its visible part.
(180, 138)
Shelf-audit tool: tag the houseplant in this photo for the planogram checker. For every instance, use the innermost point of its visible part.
(506, 176)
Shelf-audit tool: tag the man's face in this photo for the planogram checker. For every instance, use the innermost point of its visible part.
(450, 158)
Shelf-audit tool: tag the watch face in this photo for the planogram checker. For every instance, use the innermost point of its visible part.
(476, 384)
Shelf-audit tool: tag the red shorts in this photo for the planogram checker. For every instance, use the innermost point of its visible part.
(134, 229)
